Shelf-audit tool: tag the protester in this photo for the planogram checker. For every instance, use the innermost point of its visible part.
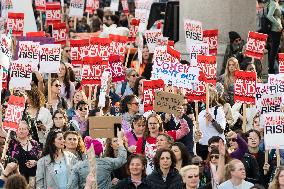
(16, 182)
(129, 107)
(181, 154)
(78, 96)
(278, 181)
(75, 144)
(126, 88)
(138, 91)
(60, 121)
(190, 176)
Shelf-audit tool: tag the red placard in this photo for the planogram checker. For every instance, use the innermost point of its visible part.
(90, 5)
(36, 34)
(15, 23)
(14, 112)
(211, 38)
(208, 66)
(53, 13)
(245, 87)
(149, 88)
(255, 45)
(134, 25)
(116, 68)
(99, 47)
(59, 33)
(92, 71)
(125, 7)
(281, 62)
(40, 5)
(4, 78)
(198, 94)
(118, 45)
(79, 50)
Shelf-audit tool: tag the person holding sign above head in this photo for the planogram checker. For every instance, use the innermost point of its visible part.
(126, 88)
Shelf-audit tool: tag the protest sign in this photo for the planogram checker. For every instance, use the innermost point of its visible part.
(211, 38)
(40, 5)
(53, 13)
(245, 87)
(168, 102)
(104, 126)
(92, 70)
(255, 45)
(125, 7)
(100, 47)
(20, 75)
(197, 49)
(15, 23)
(198, 91)
(6, 51)
(79, 50)
(29, 51)
(14, 112)
(103, 90)
(36, 34)
(59, 33)
(76, 8)
(208, 65)
(77, 72)
(50, 56)
(134, 24)
(193, 32)
(151, 39)
(143, 16)
(90, 6)
(281, 63)
(269, 103)
(273, 130)
(114, 4)
(149, 89)
(6, 6)
(4, 77)
(116, 68)
(163, 41)
(118, 45)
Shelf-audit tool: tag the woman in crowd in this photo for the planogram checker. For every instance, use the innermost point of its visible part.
(147, 144)
(54, 168)
(60, 121)
(164, 141)
(136, 168)
(17, 182)
(78, 96)
(75, 144)
(65, 55)
(126, 88)
(235, 174)
(278, 180)
(37, 115)
(129, 107)
(165, 175)
(80, 121)
(190, 176)
(138, 91)
(146, 59)
(26, 151)
(181, 154)
(203, 179)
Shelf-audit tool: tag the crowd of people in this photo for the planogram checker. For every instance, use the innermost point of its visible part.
(194, 149)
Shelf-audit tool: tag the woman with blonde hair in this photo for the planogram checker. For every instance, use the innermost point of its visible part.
(235, 174)
(278, 180)
(190, 176)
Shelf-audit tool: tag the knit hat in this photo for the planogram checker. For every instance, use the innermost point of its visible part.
(233, 36)
(98, 147)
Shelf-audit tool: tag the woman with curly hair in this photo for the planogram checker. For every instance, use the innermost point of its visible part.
(37, 115)
(75, 144)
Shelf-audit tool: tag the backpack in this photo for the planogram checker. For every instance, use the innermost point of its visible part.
(265, 23)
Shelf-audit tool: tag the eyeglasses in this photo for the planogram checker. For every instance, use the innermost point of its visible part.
(71, 20)
(214, 156)
(191, 176)
(232, 139)
(57, 85)
(81, 109)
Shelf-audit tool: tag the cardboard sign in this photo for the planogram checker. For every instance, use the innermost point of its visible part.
(100, 47)
(59, 33)
(211, 38)
(79, 50)
(104, 126)
(15, 23)
(255, 45)
(281, 63)
(134, 24)
(92, 70)
(151, 39)
(168, 102)
(208, 65)
(197, 49)
(125, 7)
(76, 8)
(29, 52)
(6, 6)
(149, 89)
(5, 51)
(193, 32)
(20, 75)
(14, 112)
(40, 5)
(273, 130)
(118, 45)
(116, 67)
(53, 13)
(50, 56)
(245, 87)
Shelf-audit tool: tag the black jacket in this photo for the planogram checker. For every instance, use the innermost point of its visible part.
(127, 184)
(173, 181)
(252, 169)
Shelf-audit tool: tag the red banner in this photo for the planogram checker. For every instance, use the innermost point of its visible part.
(208, 66)
(92, 71)
(198, 93)
(116, 68)
(40, 5)
(255, 45)
(59, 33)
(134, 25)
(149, 88)
(14, 112)
(35, 34)
(4, 78)
(211, 38)
(53, 13)
(281, 62)
(125, 7)
(79, 50)
(245, 87)
(90, 6)
(99, 47)
(118, 45)
(15, 23)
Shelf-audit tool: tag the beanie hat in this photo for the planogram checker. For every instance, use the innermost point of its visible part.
(233, 36)
(98, 147)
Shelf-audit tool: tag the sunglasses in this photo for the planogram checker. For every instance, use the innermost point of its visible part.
(134, 75)
(214, 156)
(200, 163)
(67, 51)
(191, 176)
(71, 20)
(232, 139)
(57, 85)
(81, 109)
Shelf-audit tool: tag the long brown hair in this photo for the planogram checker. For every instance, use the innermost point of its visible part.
(16, 181)
(142, 159)
(161, 129)
(228, 78)
(109, 152)
(275, 182)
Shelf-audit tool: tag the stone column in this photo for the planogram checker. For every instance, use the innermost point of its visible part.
(224, 15)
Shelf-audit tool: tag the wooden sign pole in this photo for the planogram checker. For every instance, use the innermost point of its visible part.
(265, 160)
(244, 126)
(49, 88)
(207, 102)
